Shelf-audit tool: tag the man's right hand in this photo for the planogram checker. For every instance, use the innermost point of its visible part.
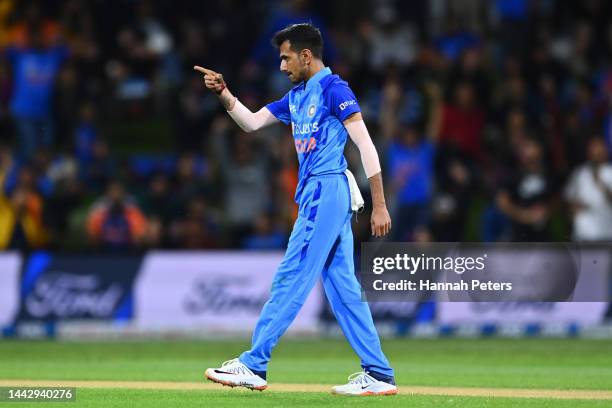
(213, 80)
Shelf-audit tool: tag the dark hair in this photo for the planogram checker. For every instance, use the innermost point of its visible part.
(301, 36)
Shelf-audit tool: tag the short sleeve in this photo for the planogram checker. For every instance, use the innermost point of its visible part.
(342, 102)
(280, 109)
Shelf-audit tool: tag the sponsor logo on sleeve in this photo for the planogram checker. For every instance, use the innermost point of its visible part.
(346, 104)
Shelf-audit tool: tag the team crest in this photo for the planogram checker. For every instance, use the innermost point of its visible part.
(311, 110)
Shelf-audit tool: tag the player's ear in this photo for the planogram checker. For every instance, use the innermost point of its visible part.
(306, 56)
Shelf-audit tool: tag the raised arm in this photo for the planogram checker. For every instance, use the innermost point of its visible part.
(358, 132)
(247, 120)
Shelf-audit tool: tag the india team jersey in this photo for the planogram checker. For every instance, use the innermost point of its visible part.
(316, 109)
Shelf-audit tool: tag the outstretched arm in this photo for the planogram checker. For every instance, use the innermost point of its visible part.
(247, 120)
(356, 128)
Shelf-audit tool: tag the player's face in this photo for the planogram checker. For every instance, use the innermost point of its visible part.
(292, 64)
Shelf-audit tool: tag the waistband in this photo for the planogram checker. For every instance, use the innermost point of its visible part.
(304, 182)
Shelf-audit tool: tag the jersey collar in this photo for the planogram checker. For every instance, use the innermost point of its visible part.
(314, 80)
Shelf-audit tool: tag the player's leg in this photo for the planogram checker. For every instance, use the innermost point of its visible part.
(353, 315)
(314, 234)
(311, 240)
(290, 288)
(288, 293)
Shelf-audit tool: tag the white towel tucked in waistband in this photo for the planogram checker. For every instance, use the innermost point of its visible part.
(357, 202)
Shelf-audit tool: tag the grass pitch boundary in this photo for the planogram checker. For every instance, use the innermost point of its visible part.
(280, 387)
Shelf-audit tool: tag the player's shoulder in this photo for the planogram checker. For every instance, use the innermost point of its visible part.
(333, 82)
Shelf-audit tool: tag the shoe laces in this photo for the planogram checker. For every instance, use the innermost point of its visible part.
(360, 377)
(230, 362)
(235, 366)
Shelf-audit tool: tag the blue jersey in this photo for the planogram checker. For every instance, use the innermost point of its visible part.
(316, 109)
(34, 74)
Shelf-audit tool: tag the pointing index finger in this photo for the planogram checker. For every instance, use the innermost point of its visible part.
(203, 70)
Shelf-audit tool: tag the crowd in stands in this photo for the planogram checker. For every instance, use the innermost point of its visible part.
(491, 119)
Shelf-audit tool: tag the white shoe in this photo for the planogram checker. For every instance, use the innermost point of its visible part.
(235, 374)
(362, 383)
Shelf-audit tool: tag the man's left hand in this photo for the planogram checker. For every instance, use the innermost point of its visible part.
(381, 221)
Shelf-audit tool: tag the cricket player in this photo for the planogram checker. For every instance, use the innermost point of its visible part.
(322, 111)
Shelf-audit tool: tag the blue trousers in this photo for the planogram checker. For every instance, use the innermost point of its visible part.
(320, 245)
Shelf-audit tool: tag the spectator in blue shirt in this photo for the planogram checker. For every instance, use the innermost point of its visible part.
(455, 40)
(410, 161)
(34, 70)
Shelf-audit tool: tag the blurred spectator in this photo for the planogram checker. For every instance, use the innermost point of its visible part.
(68, 193)
(197, 229)
(246, 185)
(157, 38)
(471, 69)
(589, 195)
(158, 200)
(454, 40)
(411, 168)
(455, 183)
(159, 208)
(462, 122)
(513, 96)
(115, 222)
(574, 135)
(97, 172)
(21, 210)
(550, 117)
(35, 67)
(391, 41)
(190, 179)
(526, 197)
(21, 226)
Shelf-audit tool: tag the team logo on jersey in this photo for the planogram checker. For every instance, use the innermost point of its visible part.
(311, 110)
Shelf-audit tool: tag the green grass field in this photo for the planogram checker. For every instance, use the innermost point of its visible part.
(536, 364)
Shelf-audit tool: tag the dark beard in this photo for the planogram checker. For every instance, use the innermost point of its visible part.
(294, 79)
